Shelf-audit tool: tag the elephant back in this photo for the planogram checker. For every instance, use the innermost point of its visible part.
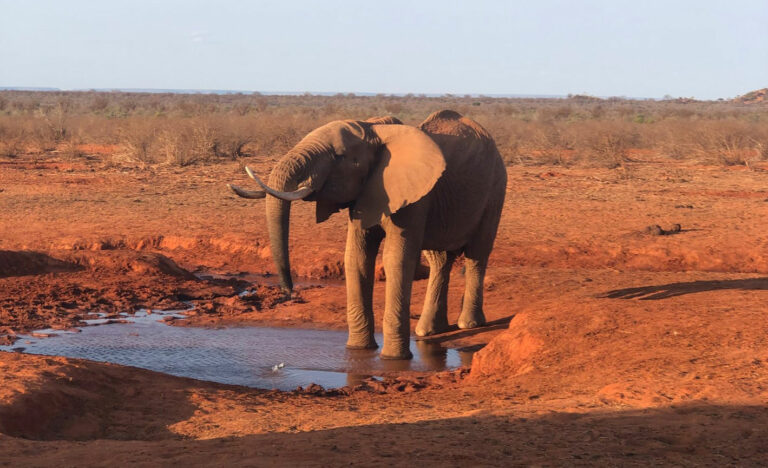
(462, 140)
(474, 176)
(449, 122)
(385, 120)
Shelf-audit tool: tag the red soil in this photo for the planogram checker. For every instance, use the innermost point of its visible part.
(606, 345)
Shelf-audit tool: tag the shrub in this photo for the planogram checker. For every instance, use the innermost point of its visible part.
(11, 141)
(137, 141)
(186, 129)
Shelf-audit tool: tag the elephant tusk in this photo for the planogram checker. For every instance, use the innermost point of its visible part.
(287, 196)
(247, 193)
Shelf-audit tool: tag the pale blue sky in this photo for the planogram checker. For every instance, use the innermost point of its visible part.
(707, 49)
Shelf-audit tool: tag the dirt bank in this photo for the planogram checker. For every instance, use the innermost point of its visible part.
(60, 411)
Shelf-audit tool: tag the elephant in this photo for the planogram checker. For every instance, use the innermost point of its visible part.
(437, 188)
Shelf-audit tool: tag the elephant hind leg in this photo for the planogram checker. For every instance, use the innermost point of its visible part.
(434, 316)
(472, 314)
(476, 255)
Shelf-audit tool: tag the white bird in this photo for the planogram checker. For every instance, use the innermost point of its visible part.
(277, 367)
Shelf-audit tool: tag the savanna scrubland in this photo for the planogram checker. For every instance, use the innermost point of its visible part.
(185, 129)
(610, 341)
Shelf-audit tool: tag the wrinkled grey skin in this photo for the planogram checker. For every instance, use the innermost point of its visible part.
(436, 189)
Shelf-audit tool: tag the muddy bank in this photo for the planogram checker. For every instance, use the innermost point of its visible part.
(59, 289)
(54, 398)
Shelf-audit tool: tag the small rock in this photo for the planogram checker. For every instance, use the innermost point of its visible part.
(655, 230)
(313, 389)
(6, 340)
(42, 335)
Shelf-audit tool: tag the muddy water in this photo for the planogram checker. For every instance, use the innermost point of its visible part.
(241, 356)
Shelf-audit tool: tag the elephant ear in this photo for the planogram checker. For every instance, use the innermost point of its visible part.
(408, 166)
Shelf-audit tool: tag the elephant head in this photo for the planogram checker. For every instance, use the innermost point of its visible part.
(374, 168)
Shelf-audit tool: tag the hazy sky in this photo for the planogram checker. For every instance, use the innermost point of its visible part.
(640, 48)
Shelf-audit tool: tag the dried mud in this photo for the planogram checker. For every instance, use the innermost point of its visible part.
(606, 345)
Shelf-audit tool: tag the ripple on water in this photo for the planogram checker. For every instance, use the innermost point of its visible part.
(237, 355)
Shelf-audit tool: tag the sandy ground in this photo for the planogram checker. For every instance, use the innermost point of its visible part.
(607, 345)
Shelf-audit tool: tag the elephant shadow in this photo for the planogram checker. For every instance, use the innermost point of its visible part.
(665, 291)
(454, 332)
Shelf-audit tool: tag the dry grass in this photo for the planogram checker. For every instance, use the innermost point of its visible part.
(179, 129)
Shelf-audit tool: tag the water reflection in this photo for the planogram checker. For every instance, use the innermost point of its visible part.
(465, 355)
(353, 380)
(242, 355)
(432, 354)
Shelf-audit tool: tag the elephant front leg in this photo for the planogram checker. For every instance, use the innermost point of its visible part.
(402, 251)
(434, 316)
(359, 262)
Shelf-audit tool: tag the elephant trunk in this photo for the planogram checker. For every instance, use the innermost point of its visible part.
(307, 168)
(278, 220)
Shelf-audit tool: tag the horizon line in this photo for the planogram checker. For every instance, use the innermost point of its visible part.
(335, 93)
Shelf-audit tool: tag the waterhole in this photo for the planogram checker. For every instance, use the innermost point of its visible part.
(262, 357)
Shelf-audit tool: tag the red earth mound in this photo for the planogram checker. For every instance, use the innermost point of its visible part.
(681, 349)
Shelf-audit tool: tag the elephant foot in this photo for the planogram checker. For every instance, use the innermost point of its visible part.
(370, 346)
(361, 343)
(396, 350)
(397, 356)
(432, 323)
(432, 329)
(468, 320)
